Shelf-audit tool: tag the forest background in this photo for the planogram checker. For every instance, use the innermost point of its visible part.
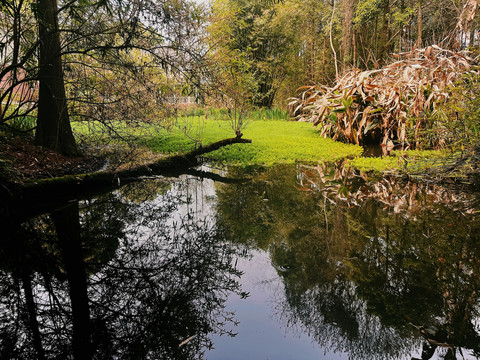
(107, 67)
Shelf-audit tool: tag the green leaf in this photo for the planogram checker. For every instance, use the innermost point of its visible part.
(347, 102)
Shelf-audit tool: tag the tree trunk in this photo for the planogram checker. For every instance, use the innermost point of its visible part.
(73, 186)
(419, 25)
(311, 56)
(324, 60)
(347, 33)
(384, 35)
(267, 93)
(53, 123)
(354, 41)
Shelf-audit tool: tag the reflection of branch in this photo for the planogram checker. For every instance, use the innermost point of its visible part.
(21, 212)
(215, 177)
(26, 199)
(32, 312)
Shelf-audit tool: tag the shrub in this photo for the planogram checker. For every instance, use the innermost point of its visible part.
(394, 104)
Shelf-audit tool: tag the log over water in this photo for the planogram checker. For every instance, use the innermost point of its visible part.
(74, 187)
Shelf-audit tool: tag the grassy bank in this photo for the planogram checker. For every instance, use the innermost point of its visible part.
(273, 141)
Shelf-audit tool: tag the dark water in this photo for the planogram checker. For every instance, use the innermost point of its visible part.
(285, 263)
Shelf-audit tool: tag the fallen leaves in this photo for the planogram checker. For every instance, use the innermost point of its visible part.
(33, 162)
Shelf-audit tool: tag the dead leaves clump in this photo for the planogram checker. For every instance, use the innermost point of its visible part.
(387, 105)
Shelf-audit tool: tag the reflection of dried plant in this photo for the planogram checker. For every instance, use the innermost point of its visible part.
(338, 182)
(332, 180)
(379, 103)
(410, 197)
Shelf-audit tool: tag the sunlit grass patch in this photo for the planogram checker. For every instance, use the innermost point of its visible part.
(288, 142)
(273, 141)
(374, 164)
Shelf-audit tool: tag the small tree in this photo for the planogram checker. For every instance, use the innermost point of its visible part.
(235, 87)
(250, 29)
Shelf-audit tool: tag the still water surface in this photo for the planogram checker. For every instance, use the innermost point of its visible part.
(278, 264)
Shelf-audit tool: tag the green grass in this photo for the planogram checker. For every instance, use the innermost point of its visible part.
(375, 164)
(23, 123)
(273, 142)
(409, 161)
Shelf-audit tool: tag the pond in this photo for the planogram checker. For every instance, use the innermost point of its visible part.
(289, 262)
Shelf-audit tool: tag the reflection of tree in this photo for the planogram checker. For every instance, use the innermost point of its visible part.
(424, 270)
(358, 277)
(254, 211)
(151, 282)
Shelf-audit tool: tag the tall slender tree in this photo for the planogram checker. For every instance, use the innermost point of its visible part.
(347, 38)
(419, 24)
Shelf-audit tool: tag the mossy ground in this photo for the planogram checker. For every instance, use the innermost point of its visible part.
(408, 161)
(273, 142)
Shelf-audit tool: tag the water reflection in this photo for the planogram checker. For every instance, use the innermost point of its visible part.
(365, 270)
(374, 280)
(120, 276)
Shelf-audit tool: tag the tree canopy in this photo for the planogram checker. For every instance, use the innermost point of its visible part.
(295, 42)
(79, 59)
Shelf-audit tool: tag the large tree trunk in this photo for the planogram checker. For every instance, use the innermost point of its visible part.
(53, 123)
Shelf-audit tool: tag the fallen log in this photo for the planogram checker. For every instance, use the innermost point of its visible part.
(72, 187)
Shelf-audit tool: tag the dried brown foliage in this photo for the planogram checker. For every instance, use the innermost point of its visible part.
(386, 105)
